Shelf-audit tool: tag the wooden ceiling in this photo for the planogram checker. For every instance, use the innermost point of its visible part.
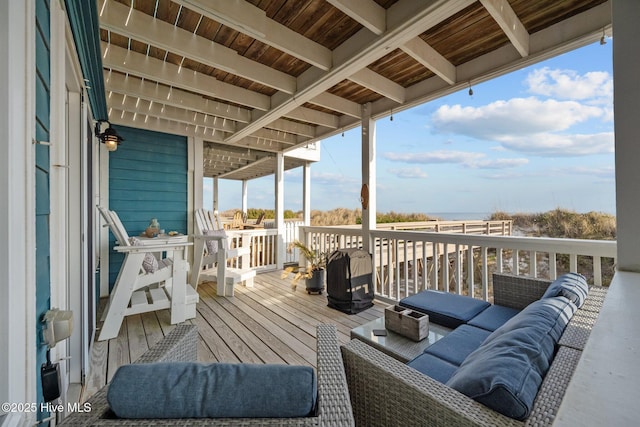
(256, 77)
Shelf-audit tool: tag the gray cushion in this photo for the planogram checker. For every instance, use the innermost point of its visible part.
(193, 390)
(445, 309)
(505, 373)
(571, 285)
(455, 347)
(438, 369)
(212, 245)
(493, 317)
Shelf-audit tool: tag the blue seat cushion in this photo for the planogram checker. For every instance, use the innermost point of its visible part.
(571, 285)
(434, 367)
(493, 317)
(195, 390)
(506, 372)
(455, 347)
(445, 309)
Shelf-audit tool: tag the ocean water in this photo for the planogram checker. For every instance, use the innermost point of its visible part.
(459, 216)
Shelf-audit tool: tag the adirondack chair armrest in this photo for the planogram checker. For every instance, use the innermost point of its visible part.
(153, 248)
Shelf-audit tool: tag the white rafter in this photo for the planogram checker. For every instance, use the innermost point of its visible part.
(422, 52)
(507, 19)
(155, 109)
(161, 34)
(133, 86)
(131, 62)
(252, 21)
(336, 103)
(301, 129)
(313, 116)
(379, 84)
(406, 19)
(367, 12)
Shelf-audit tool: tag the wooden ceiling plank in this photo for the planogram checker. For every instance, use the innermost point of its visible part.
(154, 109)
(184, 43)
(252, 21)
(406, 19)
(313, 116)
(337, 103)
(422, 52)
(133, 86)
(367, 12)
(507, 19)
(379, 84)
(141, 65)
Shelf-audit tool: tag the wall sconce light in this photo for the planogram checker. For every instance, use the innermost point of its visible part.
(109, 137)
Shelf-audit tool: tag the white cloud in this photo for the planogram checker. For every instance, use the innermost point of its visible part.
(409, 173)
(555, 145)
(466, 158)
(498, 163)
(568, 84)
(517, 116)
(441, 156)
(325, 178)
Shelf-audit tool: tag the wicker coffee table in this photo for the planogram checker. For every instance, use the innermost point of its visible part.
(396, 345)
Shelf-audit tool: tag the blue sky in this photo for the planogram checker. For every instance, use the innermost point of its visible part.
(531, 141)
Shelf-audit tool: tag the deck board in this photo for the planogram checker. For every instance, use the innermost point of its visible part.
(268, 323)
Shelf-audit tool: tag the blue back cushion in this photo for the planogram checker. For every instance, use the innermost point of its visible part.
(572, 286)
(506, 372)
(194, 390)
(445, 309)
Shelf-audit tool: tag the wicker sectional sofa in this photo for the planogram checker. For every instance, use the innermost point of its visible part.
(386, 392)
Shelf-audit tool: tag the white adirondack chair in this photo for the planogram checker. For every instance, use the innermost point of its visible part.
(137, 291)
(213, 266)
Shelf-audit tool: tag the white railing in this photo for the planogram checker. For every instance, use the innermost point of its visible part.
(407, 262)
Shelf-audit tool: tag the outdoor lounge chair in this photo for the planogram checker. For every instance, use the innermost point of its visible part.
(333, 407)
(146, 283)
(214, 259)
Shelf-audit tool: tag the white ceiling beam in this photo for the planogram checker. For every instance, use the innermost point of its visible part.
(366, 12)
(124, 118)
(154, 109)
(133, 86)
(379, 84)
(290, 126)
(339, 104)
(406, 19)
(266, 162)
(274, 135)
(135, 63)
(313, 116)
(253, 21)
(164, 35)
(507, 19)
(422, 52)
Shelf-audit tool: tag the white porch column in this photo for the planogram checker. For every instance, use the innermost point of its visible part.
(279, 184)
(244, 195)
(306, 193)
(368, 176)
(215, 194)
(17, 174)
(626, 93)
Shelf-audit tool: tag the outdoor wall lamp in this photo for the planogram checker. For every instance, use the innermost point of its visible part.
(109, 137)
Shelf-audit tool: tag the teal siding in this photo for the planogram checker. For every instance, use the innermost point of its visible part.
(42, 100)
(147, 179)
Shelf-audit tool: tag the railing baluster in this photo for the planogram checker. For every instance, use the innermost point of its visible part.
(436, 266)
(445, 267)
(485, 274)
(553, 266)
(458, 269)
(533, 263)
(516, 262)
(597, 271)
(573, 262)
(470, 268)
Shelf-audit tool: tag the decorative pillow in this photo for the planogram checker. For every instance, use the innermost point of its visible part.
(218, 390)
(572, 286)
(212, 245)
(150, 262)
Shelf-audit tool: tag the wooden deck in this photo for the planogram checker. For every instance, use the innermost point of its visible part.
(265, 324)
